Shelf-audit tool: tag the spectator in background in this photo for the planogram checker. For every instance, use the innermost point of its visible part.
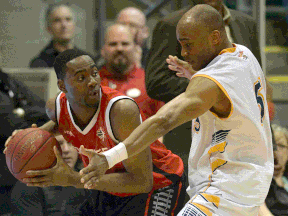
(136, 19)
(55, 200)
(277, 198)
(61, 26)
(120, 71)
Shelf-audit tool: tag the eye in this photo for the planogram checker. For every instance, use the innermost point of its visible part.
(95, 74)
(80, 78)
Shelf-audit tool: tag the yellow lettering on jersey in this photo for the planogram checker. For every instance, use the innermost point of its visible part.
(211, 198)
(217, 163)
(218, 148)
(203, 209)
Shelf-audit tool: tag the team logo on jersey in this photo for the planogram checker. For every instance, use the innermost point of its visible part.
(196, 125)
(101, 134)
(241, 55)
(69, 133)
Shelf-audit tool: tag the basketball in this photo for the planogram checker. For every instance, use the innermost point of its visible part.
(30, 149)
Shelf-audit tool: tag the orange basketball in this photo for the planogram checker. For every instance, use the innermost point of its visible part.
(30, 149)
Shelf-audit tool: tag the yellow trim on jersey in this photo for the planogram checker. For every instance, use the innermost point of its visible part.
(228, 50)
(204, 209)
(223, 90)
(218, 148)
(212, 198)
(217, 163)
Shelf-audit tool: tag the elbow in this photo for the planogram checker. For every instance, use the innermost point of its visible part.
(163, 120)
(148, 186)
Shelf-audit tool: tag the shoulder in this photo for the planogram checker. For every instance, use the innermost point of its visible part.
(124, 105)
(51, 107)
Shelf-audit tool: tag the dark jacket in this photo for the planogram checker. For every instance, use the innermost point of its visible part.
(46, 57)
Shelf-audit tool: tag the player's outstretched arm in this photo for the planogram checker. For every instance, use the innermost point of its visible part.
(201, 95)
(138, 178)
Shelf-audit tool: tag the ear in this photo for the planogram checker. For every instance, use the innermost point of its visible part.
(145, 32)
(215, 37)
(61, 85)
(48, 28)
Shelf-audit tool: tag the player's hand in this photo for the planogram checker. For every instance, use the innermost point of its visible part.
(13, 134)
(59, 175)
(97, 167)
(182, 68)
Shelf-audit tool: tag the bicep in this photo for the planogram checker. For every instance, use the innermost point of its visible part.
(51, 109)
(125, 117)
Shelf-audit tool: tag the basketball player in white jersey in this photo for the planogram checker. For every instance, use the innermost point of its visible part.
(231, 157)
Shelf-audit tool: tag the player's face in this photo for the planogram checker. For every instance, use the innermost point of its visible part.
(196, 49)
(69, 153)
(281, 154)
(82, 82)
(62, 25)
(119, 48)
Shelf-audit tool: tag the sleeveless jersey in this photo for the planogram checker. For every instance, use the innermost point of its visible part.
(234, 156)
(98, 135)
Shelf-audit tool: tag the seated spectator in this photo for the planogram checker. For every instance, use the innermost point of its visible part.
(54, 200)
(61, 26)
(277, 198)
(120, 71)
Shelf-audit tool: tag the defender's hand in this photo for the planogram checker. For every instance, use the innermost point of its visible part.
(182, 68)
(97, 167)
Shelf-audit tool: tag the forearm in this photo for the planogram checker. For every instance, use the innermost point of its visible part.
(50, 126)
(123, 183)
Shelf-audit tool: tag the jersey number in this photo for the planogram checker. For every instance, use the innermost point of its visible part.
(259, 98)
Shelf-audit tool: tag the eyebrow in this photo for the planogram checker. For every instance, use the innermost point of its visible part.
(183, 39)
(80, 71)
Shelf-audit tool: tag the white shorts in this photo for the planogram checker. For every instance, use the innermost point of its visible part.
(205, 204)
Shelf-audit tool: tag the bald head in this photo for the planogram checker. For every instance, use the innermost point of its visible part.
(201, 33)
(116, 29)
(203, 17)
(131, 15)
(136, 19)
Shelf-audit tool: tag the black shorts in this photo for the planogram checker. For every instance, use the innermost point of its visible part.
(167, 201)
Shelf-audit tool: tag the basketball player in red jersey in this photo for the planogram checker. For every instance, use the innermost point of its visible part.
(97, 117)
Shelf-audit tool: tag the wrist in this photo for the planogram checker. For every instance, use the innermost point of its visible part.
(115, 155)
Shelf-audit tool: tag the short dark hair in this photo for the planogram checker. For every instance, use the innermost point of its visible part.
(62, 59)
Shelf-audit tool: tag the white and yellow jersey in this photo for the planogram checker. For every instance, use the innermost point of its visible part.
(233, 157)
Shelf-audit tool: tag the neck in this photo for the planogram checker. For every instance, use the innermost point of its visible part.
(279, 180)
(82, 115)
(225, 44)
(62, 45)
